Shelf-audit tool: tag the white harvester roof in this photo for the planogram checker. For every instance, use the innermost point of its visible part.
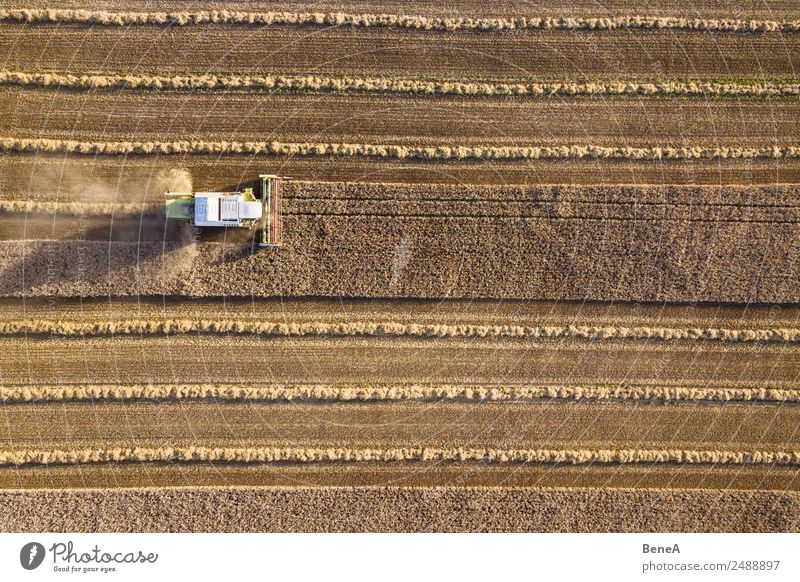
(224, 209)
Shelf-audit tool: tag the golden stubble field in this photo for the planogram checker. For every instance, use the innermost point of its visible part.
(540, 273)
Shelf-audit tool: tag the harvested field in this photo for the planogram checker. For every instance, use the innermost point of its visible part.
(399, 120)
(21, 171)
(561, 269)
(398, 52)
(128, 360)
(497, 433)
(540, 267)
(571, 400)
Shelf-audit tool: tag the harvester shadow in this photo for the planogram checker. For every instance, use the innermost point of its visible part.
(97, 255)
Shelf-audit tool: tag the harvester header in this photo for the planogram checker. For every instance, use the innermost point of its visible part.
(241, 209)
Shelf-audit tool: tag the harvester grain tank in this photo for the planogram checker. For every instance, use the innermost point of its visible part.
(241, 209)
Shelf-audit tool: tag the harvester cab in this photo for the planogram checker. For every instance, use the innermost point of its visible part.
(233, 209)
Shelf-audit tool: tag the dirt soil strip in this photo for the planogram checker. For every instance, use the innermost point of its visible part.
(626, 54)
(132, 177)
(397, 509)
(411, 121)
(494, 432)
(251, 360)
(315, 83)
(426, 474)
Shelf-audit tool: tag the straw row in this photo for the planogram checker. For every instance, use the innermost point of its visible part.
(24, 145)
(413, 22)
(384, 392)
(292, 83)
(78, 456)
(391, 328)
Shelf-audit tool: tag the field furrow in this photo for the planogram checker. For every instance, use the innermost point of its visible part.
(136, 175)
(276, 361)
(200, 454)
(170, 326)
(219, 123)
(541, 431)
(548, 54)
(668, 477)
(449, 313)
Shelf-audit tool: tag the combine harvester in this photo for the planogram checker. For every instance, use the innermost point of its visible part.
(232, 209)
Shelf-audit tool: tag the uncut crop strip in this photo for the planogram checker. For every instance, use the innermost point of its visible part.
(99, 216)
(79, 456)
(746, 264)
(23, 145)
(389, 328)
(301, 83)
(642, 22)
(384, 392)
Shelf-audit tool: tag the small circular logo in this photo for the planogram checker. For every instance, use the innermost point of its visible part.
(31, 555)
